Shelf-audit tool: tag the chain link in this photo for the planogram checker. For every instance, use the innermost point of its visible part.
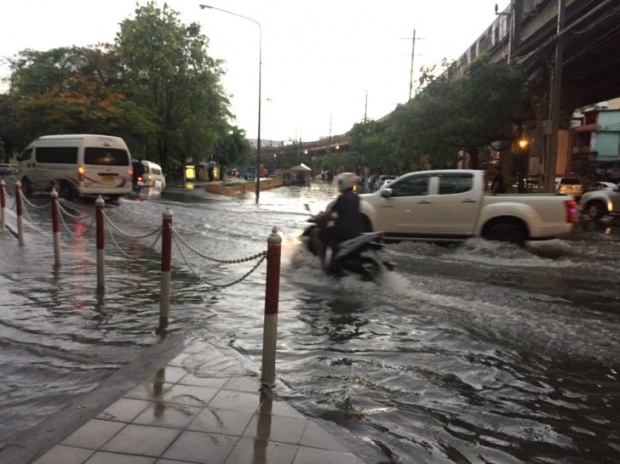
(66, 226)
(260, 256)
(221, 261)
(73, 216)
(29, 203)
(27, 213)
(124, 234)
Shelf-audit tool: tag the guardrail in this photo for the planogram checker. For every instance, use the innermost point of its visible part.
(169, 235)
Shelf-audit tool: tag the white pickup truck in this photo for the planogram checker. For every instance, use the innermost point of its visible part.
(452, 205)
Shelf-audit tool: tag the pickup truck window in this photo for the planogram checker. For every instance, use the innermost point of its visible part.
(451, 184)
(410, 186)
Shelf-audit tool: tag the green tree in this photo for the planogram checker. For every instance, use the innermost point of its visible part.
(167, 69)
(371, 140)
(470, 112)
(73, 89)
(232, 149)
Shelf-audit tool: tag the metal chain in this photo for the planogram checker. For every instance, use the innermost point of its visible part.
(66, 226)
(153, 232)
(221, 261)
(112, 236)
(125, 254)
(73, 216)
(27, 215)
(29, 203)
(262, 257)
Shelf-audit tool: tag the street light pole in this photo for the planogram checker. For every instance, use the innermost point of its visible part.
(260, 67)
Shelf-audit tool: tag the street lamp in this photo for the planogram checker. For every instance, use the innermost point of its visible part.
(260, 66)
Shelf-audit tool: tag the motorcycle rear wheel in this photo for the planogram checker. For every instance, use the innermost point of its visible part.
(371, 269)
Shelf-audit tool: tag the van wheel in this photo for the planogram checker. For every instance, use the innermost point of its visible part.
(26, 186)
(505, 232)
(595, 210)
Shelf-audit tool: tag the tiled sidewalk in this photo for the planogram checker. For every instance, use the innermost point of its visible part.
(204, 406)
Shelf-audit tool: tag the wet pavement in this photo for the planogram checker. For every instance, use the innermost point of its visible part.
(483, 352)
(212, 412)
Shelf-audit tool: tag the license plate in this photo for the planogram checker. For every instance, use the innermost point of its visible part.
(108, 178)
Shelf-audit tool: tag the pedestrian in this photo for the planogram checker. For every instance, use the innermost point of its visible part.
(497, 184)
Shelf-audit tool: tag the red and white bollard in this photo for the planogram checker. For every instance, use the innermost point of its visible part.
(166, 266)
(99, 204)
(56, 227)
(272, 297)
(2, 205)
(20, 212)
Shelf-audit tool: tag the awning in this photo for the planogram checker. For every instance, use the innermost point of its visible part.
(301, 167)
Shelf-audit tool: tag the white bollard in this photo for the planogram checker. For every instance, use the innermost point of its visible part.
(20, 212)
(56, 227)
(166, 269)
(272, 297)
(2, 205)
(99, 204)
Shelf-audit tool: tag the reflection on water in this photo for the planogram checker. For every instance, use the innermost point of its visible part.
(484, 352)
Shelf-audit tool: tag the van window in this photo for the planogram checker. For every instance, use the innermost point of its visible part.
(60, 155)
(106, 156)
(26, 154)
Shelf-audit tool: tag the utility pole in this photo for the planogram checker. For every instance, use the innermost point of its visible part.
(366, 108)
(553, 122)
(411, 72)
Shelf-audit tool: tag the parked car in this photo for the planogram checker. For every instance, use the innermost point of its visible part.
(602, 185)
(370, 182)
(451, 206)
(7, 170)
(569, 186)
(598, 203)
(381, 180)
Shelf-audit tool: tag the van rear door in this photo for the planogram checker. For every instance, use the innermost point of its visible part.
(105, 170)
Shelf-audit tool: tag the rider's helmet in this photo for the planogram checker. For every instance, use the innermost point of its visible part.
(346, 180)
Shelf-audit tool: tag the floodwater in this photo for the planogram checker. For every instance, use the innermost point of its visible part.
(478, 353)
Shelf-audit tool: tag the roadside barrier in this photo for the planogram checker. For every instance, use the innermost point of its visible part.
(56, 227)
(168, 235)
(20, 212)
(2, 205)
(99, 204)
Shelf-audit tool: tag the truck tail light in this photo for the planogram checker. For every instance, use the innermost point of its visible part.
(130, 171)
(572, 211)
(81, 172)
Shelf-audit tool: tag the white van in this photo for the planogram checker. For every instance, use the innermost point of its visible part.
(153, 175)
(77, 165)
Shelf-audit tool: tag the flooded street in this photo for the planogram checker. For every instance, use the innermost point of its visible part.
(478, 353)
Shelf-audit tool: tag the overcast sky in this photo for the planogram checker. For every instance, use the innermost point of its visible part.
(325, 63)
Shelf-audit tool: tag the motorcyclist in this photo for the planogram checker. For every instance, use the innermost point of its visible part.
(345, 212)
(138, 174)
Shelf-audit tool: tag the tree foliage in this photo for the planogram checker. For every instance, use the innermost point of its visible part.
(73, 90)
(451, 114)
(167, 70)
(156, 87)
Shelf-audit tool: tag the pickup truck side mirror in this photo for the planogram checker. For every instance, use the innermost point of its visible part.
(386, 192)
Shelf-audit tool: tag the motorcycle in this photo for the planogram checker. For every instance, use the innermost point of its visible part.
(359, 255)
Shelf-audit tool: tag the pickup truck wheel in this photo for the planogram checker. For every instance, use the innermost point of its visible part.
(595, 209)
(506, 232)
